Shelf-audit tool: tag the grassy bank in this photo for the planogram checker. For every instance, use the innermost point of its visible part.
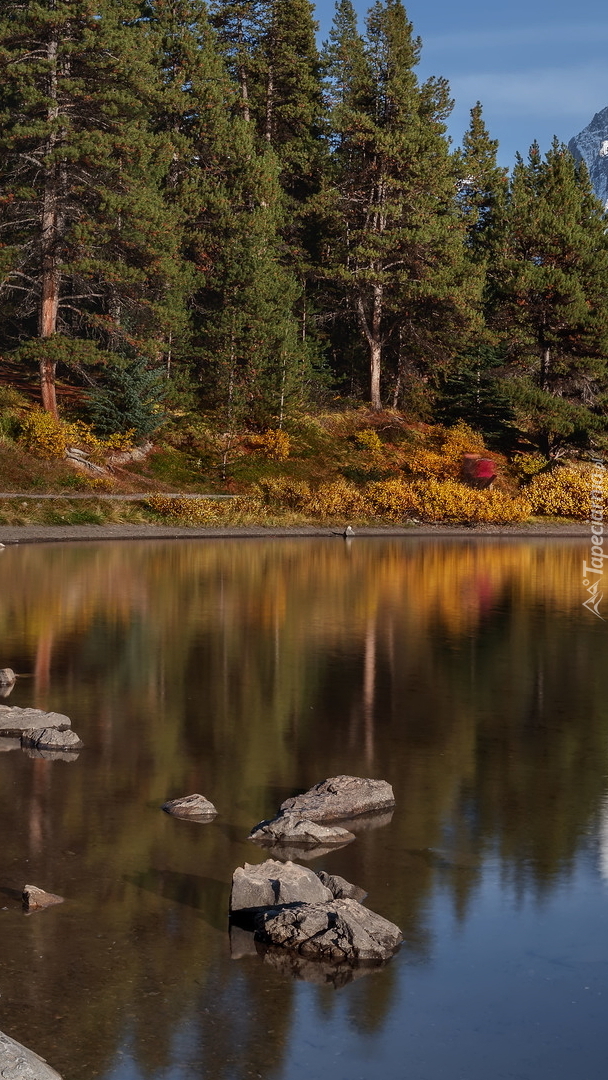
(351, 466)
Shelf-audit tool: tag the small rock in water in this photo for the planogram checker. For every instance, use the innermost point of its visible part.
(7, 676)
(35, 899)
(190, 806)
(340, 888)
(51, 739)
(292, 829)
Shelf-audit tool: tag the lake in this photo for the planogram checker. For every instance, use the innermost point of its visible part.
(464, 671)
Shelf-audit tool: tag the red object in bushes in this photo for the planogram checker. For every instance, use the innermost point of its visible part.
(477, 471)
(484, 469)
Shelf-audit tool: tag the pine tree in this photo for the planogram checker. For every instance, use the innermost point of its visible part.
(482, 183)
(245, 351)
(255, 362)
(239, 26)
(397, 245)
(90, 247)
(549, 297)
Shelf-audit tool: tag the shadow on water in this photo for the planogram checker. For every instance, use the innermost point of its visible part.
(204, 894)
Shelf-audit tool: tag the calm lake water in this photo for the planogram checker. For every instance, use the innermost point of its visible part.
(465, 672)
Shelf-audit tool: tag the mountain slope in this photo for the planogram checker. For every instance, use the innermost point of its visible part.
(591, 145)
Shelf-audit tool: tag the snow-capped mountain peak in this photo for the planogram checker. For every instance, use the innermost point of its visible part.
(591, 146)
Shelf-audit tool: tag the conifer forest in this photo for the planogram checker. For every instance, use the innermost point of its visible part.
(201, 205)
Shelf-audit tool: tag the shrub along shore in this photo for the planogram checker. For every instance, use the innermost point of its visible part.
(352, 467)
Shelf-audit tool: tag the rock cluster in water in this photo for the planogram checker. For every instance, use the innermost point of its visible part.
(318, 917)
(45, 734)
(312, 818)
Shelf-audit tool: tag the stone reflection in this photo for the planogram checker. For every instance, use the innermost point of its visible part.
(465, 673)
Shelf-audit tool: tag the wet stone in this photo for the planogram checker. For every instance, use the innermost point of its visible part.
(195, 807)
(35, 899)
(19, 1063)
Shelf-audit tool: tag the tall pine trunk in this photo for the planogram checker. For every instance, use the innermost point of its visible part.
(50, 274)
(372, 330)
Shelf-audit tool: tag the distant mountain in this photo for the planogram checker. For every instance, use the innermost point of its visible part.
(592, 147)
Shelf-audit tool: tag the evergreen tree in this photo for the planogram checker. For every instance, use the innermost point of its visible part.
(397, 243)
(249, 345)
(246, 350)
(90, 247)
(482, 183)
(129, 400)
(239, 25)
(549, 296)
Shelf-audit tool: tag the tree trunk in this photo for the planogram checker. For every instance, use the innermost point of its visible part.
(372, 330)
(375, 358)
(50, 275)
(269, 104)
(545, 360)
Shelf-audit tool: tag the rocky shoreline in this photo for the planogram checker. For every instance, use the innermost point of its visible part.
(39, 534)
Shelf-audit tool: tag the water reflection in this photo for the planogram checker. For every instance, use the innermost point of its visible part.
(464, 672)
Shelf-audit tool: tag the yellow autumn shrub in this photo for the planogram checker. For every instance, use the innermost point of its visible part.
(447, 500)
(368, 440)
(337, 498)
(195, 511)
(43, 435)
(394, 498)
(274, 443)
(284, 491)
(443, 457)
(46, 436)
(565, 492)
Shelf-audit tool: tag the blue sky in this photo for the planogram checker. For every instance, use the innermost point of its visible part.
(539, 67)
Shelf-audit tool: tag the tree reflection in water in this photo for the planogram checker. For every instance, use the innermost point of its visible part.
(465, 672)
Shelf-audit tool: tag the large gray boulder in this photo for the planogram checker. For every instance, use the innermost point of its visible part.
(14, 721)
(19, 1063)
(339, 798)
(271, 883)
(340, 931)
(195, 807)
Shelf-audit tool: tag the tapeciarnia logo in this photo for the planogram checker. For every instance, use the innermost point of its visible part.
(593, 572)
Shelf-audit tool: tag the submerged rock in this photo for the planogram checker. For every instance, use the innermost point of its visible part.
(14, 721)
(271, 883)
(196, 807)
(52, 739)
(292, 829)
(339, 798)
(35, 899)
(340, 931)
(19, 1063)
